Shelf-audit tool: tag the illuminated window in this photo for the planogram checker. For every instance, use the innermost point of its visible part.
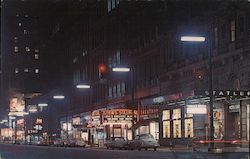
(19, 24)
(16, 49)
(25, 32)
(26, 70)
(232, 28)
(16, 70)
(27, 49)
(166, 129)
(36, 56)
(176, 113)
(166, 115)
(36, 50)
(36, 70)
(177, 128)
(189, 128)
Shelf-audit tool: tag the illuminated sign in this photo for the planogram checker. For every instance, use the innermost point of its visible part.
(196, 109)
(118, 115)
(234, 108)
(39, 121)
(17, 105)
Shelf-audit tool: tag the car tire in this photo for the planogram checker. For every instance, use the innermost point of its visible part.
(155, 148)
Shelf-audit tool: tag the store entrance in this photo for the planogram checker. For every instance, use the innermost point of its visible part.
(233, 126)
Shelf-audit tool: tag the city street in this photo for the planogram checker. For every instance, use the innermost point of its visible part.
(42, 152)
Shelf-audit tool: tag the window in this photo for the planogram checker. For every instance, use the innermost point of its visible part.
(15, 39)
(19, 24)
(27, 49)
(176, 113)
(177, 123)
(16, 70)
(110, 91)
(114, 91)
(232, 29)
(189, 128)
(118, 90)
(36, 50)
(166, 115)
(15, 48)
(25, 32)
(26, 70)
(166, 129)
(36, 56)
(36, 70)
(123, 88)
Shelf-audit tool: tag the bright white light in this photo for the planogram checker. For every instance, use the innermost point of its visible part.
(17, 113)
(82, 86)
(58, 97)
(12, 117)
(42, 104)
(196, 109)
(193, 38)
(121, 69)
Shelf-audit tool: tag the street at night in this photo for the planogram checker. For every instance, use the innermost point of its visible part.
(38, 152)
(125, 79)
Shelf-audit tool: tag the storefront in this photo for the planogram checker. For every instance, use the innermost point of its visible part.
(118, 123)
(187, 118)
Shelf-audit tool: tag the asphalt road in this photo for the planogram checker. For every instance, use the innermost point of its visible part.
(44, 152)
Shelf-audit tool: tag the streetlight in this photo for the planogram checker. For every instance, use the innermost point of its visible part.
(202, 39)
(58, 97)
(82, 86)
(42, 104)
(125, 70)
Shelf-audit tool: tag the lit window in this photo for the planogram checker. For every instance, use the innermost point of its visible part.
(16, 49)
(25, 32)
(26, 15)
(36, 50)
(19, 24)
(16, 70)
(36, 56)
(26, 70)
(27, 48)
(232, 27)
(15, 38)
(36, 70)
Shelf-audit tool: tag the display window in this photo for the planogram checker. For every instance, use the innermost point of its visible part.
(189, 128)
(219, 124)
(166, 129)
(176, 113)
(166, 115)
(177, 128)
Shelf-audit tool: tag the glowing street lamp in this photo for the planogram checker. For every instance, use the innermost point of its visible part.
(120, 69)
(58, 97)
(82, 86)
(42, 104)
(211, 121)
(193, 38)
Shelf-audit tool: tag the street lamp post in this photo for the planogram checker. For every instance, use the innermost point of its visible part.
(210, 82)
(126, 69)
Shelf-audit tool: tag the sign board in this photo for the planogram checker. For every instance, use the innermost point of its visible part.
(196, 109)
(234, 108)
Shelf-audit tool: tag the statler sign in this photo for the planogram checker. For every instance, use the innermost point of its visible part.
(225, 93)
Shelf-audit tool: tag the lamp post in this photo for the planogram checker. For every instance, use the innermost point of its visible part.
(210, 82)
(125, 70)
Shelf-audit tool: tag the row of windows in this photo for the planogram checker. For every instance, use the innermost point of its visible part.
(114, 59)
(112, 4)
(26, 70)
(116, 90)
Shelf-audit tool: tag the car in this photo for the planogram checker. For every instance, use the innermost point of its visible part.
(116, 142)
(69, 143)
(80, 143)
(145, 141)
(58, 142)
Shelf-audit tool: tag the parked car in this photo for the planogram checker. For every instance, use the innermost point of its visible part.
(116, 142)
(58, 142)
(42, 143)
(80, 143)
(69, 143)
(145, 141)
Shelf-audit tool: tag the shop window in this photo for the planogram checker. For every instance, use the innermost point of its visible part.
(166, 129)
(27, 49)
(166, 115)
(177, 123)
(177, 128)
(16, 49)
(36, 56)
(176, 113)
(218, 123)
(189, 128)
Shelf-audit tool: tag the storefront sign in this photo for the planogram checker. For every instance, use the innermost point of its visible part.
(196, 109)
(117, 118)
(32, 108)
(158, 99)
(225, 93)
(234, 108)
